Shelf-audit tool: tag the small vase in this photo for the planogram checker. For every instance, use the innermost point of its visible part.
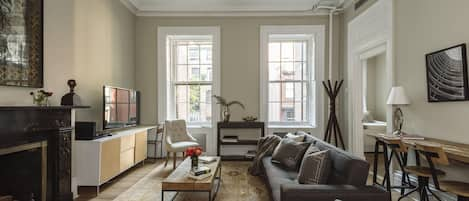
(226, 116)
(194, 162)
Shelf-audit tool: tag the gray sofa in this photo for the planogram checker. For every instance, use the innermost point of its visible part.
(347, 180)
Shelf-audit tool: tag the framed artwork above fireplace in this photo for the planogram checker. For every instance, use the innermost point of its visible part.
(21, 43)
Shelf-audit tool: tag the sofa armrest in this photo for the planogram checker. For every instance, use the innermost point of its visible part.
(301, 192)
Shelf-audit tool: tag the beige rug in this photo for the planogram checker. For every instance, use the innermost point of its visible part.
(237, 185)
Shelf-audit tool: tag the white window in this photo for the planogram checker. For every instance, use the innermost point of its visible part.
(188, 74)
(291, 65)
(192, 78)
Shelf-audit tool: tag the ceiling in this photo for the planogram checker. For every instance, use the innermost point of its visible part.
(227, 7)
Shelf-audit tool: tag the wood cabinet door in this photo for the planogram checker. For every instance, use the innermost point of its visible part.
(110, 159)
(127, 142)
(127, 159)
(140, 146)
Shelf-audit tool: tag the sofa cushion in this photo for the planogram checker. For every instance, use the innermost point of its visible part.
(277, 176)
(345, 167)
(289, 153)
(296, 138)
(315, 167)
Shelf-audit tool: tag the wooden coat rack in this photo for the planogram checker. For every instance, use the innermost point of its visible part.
(333, 127)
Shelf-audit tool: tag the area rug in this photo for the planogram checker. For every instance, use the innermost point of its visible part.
(237, 185)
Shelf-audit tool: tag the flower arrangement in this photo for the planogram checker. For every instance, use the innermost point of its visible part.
(194, 153)
(41, 97)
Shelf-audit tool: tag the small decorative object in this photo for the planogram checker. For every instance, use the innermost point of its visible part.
(226, 106)
(249, 118)
(41, 97)
(447, 75)
(397, 97)
(333, 127)
(194, 153)
(21, 43)
(71, 98)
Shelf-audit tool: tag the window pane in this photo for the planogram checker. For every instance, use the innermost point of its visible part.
(287, 51)
(181, 54)
(287, 70)
(206, 94)
(181, 94)
(288, 111)
(181, 111)
(299, 92)
(274, 92)
(194, 72)
(206, 112)
(299, 111)
(205, 73)
(206, 54)
(274, 112)
(274, 52)
(193, 54)
(298, 51)
(299, 72)
(274, 71)
(289, 92)
(181, 73)
(194, 107)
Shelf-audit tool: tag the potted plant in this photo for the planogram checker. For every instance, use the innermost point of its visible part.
(194, 153)
(41, 97)
(226, 106)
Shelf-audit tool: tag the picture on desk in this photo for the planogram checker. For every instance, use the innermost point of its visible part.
(447, 74)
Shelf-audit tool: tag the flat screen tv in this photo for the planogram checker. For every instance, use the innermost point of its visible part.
(120, 108)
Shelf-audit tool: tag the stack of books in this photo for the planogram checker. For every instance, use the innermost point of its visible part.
(229, 138)
(207, 159)
(200, 173)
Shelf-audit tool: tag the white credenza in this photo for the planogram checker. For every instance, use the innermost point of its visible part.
(100, 160)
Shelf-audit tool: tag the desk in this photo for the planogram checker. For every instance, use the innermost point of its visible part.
(456, 151)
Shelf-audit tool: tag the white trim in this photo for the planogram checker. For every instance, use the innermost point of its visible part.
(318, 32)
(370, 34)
(139, 11)
(130, 5)
(163, 74)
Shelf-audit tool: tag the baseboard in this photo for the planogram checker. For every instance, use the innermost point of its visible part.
(414, 196)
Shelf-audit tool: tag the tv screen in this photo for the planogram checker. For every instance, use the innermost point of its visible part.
(120, 107)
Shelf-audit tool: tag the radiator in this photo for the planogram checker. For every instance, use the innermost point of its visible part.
(201, 139)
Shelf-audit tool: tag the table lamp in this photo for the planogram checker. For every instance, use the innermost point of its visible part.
(397, 97)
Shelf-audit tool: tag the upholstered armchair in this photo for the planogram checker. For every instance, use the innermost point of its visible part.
(177, 139)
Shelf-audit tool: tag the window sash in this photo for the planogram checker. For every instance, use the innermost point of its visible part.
(306, 80)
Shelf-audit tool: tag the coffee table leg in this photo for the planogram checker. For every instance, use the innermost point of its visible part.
(162, 195)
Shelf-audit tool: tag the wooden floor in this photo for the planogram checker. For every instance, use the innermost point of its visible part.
(143, 183)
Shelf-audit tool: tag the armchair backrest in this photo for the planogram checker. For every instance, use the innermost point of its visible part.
(175, 131)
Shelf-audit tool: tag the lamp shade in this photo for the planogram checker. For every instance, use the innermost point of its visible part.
(397, 96)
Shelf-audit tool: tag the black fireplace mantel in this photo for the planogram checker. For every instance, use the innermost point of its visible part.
(28, 124)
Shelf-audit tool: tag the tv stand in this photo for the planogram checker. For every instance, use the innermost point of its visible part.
(102, 159)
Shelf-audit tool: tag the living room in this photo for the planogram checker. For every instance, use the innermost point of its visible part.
(246, 78)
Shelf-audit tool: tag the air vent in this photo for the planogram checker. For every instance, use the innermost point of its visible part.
(359, 3)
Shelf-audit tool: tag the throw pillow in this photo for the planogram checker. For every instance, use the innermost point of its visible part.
(288, 153)
(296, 138)
(315, 168)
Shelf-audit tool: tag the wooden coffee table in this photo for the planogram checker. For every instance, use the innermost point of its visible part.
(178, 180)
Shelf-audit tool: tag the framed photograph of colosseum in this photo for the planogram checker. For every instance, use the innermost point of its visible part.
(447, 74)
(21, 43)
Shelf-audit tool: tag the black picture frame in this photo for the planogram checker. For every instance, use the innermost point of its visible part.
(447, 74)
(27, 67)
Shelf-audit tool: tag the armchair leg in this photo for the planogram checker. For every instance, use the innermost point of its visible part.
(174, 160)
(167, 158)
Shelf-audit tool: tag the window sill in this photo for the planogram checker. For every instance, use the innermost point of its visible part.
(198, 126)
(291, 126)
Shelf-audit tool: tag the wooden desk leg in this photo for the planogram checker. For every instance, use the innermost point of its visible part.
(387, 178)
(375, 163)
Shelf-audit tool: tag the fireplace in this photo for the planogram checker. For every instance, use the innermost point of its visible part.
(23, 172)
(35, 142)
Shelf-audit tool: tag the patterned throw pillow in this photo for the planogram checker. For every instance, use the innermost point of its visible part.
(296, 138)
(288, 153)
(315, 168)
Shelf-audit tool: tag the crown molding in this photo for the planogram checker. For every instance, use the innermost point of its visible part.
(129, 5)
(228, 13)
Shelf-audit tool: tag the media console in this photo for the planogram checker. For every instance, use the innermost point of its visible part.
(102, 159)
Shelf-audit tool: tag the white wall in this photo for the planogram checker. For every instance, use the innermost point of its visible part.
(88, 40)
(424, 26)
(376, 87)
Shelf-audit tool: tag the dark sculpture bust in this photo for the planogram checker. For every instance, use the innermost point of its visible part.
(71, 98)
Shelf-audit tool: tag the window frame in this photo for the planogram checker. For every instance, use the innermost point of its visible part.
(316, 35)
(165, 89)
